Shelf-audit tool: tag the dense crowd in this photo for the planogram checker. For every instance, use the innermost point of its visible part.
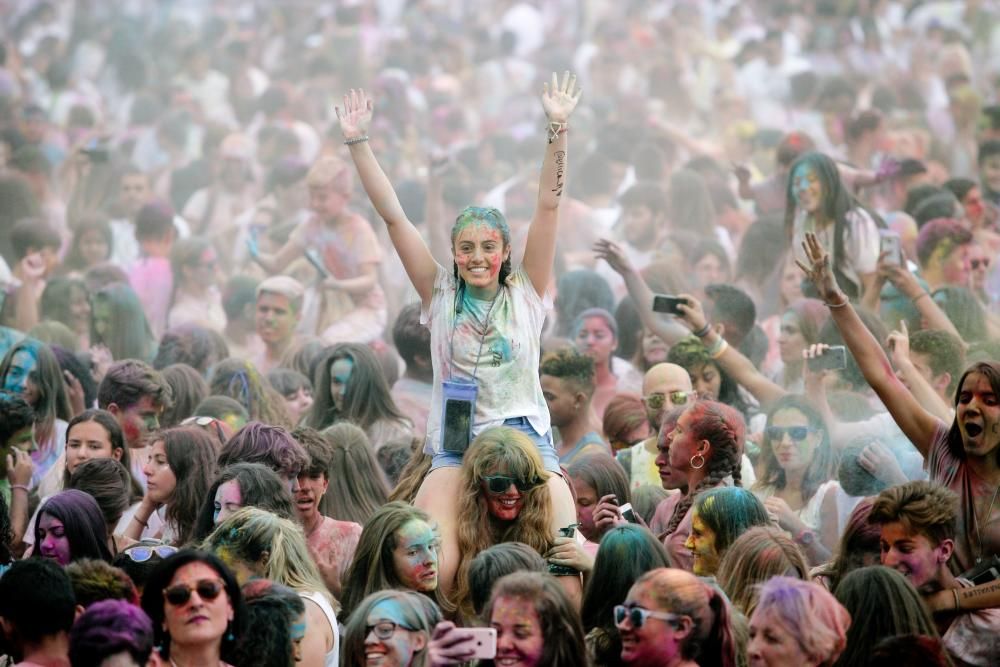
(563, 332)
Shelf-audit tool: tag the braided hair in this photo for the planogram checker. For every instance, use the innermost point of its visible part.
(724, 429)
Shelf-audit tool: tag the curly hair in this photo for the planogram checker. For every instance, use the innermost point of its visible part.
(690, 354)
(823, 464)
(724, 429)
(240, 380)
(559, 620)
(574, 368)
(922, 507)
(499, 450)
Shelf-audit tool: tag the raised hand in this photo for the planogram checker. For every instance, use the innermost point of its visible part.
(819, 270)
(613, 254)
(356, 116)
(559, 100)
(692, 312)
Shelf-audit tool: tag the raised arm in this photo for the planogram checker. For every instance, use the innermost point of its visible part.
(916, 423)
(729, 358)
(667, 328)
(559, 101)
(355, 119)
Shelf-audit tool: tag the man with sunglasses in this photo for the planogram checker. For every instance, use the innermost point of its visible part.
(664, 387)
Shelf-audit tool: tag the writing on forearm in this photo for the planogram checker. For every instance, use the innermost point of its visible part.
(979, 591)
(560, 168)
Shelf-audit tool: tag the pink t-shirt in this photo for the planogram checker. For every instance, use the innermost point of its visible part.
(345, 249)
(948, 470)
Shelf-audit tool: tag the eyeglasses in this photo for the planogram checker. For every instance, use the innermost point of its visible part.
(384, 629)
(207, 589)
(637, 616)
(974, 263)
(659, 399)
(140, 554)
(797, 433)
(500, 483)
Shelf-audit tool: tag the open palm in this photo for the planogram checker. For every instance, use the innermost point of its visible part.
(356, 116)
(559, 100)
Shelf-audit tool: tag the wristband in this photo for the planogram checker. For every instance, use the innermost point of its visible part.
(722, 349)
(837, 305)
(958, 604)
(702, 332)
(919, 297)
(356, 140)
(20, 486)
(144, 524)
(554, 129)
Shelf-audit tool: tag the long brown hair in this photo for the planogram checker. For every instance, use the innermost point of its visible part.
(191, 454)
(358, 487)
(505, 451)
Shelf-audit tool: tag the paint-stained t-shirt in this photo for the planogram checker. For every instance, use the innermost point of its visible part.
(507, 374)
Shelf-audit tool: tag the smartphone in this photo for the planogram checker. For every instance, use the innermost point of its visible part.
(483, 643)
(628, 513)
(664, 303)
(834, 359)
(889, 243)
(457, 425)
(317, 263)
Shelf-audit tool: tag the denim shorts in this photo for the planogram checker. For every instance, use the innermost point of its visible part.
(547, 451)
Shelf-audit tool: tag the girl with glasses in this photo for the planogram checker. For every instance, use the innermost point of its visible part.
(196, 608)
(394, 627)
(796, 465)
(673, 619)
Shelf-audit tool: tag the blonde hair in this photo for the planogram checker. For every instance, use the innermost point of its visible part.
(253, 535)
(500, 450)
(756, 556)
(330, 171)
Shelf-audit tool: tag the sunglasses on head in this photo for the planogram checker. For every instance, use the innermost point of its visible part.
(141, 554)
(975, 263)
(637, 616)
(500, 483)
(207, 589)
(794, 432)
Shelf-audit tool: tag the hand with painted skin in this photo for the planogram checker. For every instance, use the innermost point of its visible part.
(784, 515)
(559, 100)
(819, 271)
(881, 464)
(900, 277)
(100, 361)
(75, 392)
(356, 116)
(567, 551)
(449, 645)
(607, 515)
(19, 467)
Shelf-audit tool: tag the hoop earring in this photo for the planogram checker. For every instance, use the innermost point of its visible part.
(700, 465)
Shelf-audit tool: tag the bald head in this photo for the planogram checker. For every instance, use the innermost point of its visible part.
(664, 380)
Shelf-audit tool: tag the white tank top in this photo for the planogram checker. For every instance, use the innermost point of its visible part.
(333, 657)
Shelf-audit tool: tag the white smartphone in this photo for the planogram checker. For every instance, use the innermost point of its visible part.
(628, 513)
(889, 243)
(483, 642)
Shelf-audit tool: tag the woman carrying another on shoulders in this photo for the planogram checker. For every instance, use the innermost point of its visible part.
(485, 318)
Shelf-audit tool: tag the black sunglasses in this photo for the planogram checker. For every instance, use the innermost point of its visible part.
(207, 589)
(974, 263)
(797, 433)
(500, 483)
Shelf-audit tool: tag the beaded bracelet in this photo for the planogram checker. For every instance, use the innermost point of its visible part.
(702, 332)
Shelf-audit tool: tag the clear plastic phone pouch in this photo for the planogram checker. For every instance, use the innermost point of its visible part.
(458, 414)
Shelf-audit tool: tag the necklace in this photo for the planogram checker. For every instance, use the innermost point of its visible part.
(979, 533)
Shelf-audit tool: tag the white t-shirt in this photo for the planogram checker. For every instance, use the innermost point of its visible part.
(333, 657)
(861, 243)
(507, 373)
